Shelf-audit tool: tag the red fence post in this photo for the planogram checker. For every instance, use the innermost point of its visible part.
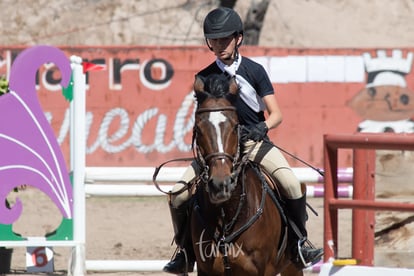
(331, 191)
(363, 203)
(363, 221)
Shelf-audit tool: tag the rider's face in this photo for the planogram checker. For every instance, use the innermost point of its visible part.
(224, 48)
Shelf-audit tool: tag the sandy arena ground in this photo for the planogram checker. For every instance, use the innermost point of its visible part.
(139, 228)
(119, 228)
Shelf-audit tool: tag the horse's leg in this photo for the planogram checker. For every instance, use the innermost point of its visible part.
(291, 270)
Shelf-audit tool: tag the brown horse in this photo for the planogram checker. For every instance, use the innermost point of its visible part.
(237, 225)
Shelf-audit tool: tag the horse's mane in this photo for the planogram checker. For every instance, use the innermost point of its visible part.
(217, 85)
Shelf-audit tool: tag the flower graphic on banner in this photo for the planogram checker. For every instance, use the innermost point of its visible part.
(30, 152)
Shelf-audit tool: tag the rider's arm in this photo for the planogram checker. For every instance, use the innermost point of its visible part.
(274, 117)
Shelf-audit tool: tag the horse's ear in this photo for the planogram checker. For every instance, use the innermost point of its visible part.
(233, 86)
(200, 94)
(198, 84)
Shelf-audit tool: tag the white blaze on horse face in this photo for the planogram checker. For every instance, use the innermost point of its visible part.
(215, 119)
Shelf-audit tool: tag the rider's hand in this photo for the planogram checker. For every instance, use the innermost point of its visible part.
(258, 132)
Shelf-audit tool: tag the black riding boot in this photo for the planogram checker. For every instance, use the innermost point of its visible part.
(184, 259)
(304, 252)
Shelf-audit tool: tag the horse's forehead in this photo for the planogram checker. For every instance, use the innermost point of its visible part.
(216, 118)
(216, 102)
(216, 115)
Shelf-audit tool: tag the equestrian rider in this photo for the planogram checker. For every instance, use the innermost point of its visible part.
(223, 31)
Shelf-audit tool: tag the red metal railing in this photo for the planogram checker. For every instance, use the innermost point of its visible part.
(363, 203)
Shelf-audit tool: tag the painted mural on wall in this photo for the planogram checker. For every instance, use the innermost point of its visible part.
(386, 103)
(139, 110)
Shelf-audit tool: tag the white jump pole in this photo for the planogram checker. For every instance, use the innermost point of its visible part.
(78, 149)
(173, 174)
(126, 265)
(329, 269)
(137, 190)
(125, 190)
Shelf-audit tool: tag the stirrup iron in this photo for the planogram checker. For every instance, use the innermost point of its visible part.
(301, 244)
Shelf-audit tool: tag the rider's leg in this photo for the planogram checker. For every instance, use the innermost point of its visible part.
(182, 236)
(307, 255)
(276, 164)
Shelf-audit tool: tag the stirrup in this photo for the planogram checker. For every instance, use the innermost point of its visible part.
(302, 259)
(301, 244)
(180, 257)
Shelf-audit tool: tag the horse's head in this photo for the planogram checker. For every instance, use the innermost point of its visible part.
(216, 134)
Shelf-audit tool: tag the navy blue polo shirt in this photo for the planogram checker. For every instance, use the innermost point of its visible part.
(257, 77)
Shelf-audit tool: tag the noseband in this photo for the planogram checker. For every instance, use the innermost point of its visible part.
(204, 160)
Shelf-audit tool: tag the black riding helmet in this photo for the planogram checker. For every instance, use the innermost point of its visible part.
(222, 22)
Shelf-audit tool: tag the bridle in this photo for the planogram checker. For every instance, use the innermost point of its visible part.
(205, 160)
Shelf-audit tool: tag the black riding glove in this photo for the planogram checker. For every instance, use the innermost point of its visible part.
(258, 132)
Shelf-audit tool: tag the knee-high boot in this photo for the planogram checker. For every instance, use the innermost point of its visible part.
(305, 253)
(184, 259)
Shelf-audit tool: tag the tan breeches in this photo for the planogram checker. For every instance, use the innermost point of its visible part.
(263, 153)
(188, 176)
(273, 161)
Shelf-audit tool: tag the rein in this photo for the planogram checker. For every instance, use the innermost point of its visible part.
(239, 167)
(225, 240)
(228, 238)
(157, 170)
(259, 211)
